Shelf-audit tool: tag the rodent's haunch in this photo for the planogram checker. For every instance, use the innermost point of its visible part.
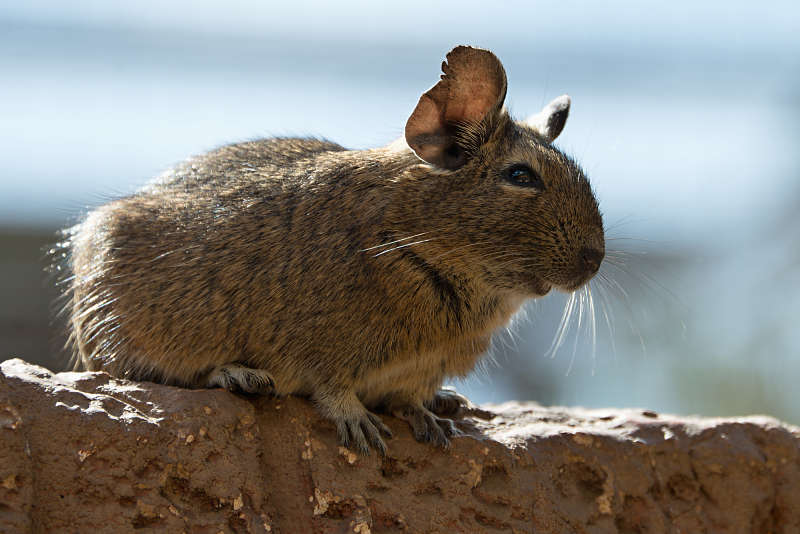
(362, 279)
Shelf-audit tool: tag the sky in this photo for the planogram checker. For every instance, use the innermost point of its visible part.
(694, 93)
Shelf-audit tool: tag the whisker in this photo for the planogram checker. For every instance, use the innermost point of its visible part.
(643, 277)
(403, 246)
(499, 255)
(511, 262)
(577, 332)
(594, 328)
(604, 308)
(443, 254)
(623, 221)
(563, 327)
(616, 285)
(626, 302)
(393, 242)
(638, 334)
(637, 239)
(513, 338)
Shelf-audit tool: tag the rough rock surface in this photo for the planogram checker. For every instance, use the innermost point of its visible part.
(83, 452)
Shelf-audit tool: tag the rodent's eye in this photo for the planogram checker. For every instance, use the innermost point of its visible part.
(524, 176)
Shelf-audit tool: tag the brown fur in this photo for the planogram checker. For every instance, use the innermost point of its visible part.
(275, 254)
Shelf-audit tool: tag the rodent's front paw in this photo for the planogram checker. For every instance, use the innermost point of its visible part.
(237, 377)
(448, 403)
(362, 431)
(427, 427)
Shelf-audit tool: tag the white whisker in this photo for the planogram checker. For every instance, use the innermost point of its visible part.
(443, 254)
(604, 304)
(563, 327)
(393, 242)
(577, 333)
(594, 328)
(403, 246)
(646, 281)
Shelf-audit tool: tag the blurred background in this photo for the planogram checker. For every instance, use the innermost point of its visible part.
(685, 116)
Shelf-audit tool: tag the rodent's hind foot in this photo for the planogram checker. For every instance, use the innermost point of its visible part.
(427, 426)
(448, 403)
(238, 378)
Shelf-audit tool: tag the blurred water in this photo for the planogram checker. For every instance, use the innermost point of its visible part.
(685, 118)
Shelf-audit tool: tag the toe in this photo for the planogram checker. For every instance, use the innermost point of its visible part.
(357, 438)
(436, 433)
(373, 435)
(238, 378)
(448, 427)
(361, 433)
(375, 420)
(342, 433)
(355, 426)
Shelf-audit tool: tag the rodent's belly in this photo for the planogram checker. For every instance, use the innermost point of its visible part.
(419, 376)
(416, 376)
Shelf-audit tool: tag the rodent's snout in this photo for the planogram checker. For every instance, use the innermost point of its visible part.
(576, 254)
(590, 259)
(585, 265)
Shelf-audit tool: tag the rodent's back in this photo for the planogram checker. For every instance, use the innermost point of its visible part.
(235, 167)
(168, 280)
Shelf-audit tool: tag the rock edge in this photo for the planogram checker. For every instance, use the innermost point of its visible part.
(83, 452)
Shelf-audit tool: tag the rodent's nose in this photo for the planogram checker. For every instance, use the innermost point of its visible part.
(591, 258)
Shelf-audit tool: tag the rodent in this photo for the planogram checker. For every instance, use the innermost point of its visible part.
(361, 279)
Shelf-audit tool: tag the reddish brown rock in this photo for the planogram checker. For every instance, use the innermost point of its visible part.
(83, 452)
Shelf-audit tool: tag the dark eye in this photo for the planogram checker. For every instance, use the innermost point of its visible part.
(524, 176)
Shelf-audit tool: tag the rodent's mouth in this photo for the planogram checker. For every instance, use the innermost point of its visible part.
(572, 286)
(569, 282)
(540, 287)
(569, 288)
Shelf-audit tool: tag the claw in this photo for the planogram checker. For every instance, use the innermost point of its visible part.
(237, 377)
(373, 435)
(356, 427)
(361, 432)
(427, 427)
(375, 420)
(450, 429)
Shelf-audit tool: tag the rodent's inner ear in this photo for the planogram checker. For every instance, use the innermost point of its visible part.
(472, 87)
(551, 120)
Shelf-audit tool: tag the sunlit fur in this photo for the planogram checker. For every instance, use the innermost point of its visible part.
(349, 275)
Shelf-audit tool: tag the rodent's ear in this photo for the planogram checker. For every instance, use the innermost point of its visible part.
(472, 87)
(550, 121)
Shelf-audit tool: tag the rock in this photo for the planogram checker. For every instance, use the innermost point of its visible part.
(84, 452)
